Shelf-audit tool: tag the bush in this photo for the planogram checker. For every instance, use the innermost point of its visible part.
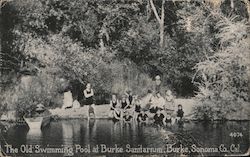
(24, 95)
(223, 76)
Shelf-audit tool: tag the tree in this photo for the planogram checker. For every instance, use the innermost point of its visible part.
(222, 78)
(160, 20)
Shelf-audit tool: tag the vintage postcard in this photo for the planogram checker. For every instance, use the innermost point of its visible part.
(129, 78)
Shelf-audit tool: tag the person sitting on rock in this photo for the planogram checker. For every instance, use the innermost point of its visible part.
(146, 101)
(124, 103)
(118, 113)
(113, 104)
(169, 106)
(157, 103)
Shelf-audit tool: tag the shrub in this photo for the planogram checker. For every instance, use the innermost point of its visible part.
(29, 91)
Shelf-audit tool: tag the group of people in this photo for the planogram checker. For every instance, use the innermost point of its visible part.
(152, 107)
(69, 102)
(132, 108)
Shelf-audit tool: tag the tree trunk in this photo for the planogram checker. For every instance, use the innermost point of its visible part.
(161, 34)
(160, 20)
(232, 4)
(162, 24)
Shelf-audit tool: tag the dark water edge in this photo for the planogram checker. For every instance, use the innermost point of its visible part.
(69, 133)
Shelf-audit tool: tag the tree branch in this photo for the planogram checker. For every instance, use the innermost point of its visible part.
(154, 10)
(162, 11)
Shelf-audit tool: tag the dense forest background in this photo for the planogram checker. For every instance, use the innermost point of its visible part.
(199, 48)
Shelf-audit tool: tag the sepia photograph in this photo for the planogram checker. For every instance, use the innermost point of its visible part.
(124, 78)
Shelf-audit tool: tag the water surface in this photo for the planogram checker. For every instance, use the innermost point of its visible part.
(85, 134)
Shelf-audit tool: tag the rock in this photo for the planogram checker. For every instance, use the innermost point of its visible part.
(8, 116)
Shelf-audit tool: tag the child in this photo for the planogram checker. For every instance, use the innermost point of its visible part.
(127, 118)
(180, 112)
(137, 107)
(91, 110)
(168, 119)
(118, 113)
(113, 104)
(124, 102)
(158, 118)
(142, 117)
(130, 97)
(130, 107)
(89, 96)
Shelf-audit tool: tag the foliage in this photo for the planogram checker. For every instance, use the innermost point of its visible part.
(32, 90)
(115, 46)
(223, 85)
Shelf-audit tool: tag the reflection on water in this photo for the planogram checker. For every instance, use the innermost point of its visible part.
(34, 137)
(67, 133)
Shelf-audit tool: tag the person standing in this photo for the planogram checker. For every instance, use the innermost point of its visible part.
(89, 97)
(157, 85)
(137, 108)
(130, 96)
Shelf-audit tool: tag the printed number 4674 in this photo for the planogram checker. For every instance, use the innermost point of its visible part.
(236, 134)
